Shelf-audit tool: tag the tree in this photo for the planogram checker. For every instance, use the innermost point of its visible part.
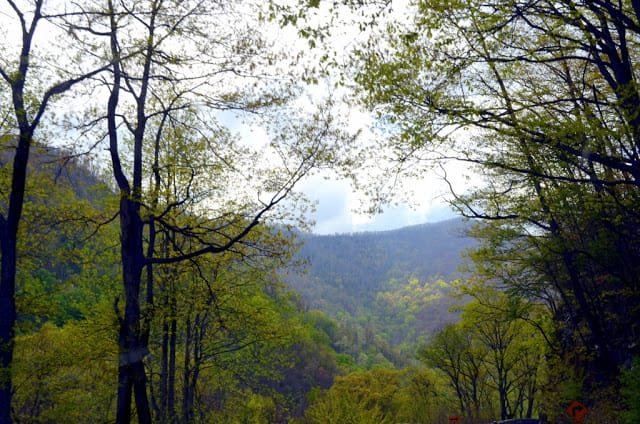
(631, 392)
(382, 395)
(360, 397)
(456, 353)
(170, 73)
(492, 356)
(541, 97)
(65, 373)
(424, 398)
(26, 96)
(514, 348)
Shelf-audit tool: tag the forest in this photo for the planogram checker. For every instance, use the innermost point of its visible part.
(154, 239)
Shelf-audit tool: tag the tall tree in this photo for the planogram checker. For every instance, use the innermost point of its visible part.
(500, 323)
(542, 98)
(491, 357)
(180, 64)
(456, 353)
(26, 96)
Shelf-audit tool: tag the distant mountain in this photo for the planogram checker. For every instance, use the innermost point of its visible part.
(385, 279)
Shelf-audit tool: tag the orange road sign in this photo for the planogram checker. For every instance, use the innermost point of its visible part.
(454, 419)
(576, 410)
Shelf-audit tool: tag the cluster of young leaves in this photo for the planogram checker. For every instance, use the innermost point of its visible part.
(412, 310)
(382, 396)
(66, 373)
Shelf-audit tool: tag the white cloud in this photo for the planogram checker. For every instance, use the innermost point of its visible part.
(338, 204)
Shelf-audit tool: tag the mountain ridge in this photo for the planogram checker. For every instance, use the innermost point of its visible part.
(394, 283)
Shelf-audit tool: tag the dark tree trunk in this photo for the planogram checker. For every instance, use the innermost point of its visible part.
(164, 372)
(7, 323)
(168, 364)
(9, 244)
(171, 383)
(187, 393)
(133, 342)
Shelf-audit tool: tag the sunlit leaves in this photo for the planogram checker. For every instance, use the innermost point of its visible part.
(491, 357)
(64, 374)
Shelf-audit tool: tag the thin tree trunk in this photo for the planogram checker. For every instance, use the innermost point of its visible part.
(187, 404)
(171, 383)
(164, 372)
(7, 324)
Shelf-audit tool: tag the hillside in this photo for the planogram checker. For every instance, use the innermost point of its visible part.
(392, 284)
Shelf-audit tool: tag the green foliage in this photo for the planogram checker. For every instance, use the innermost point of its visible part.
(382, 396)
(67, 261)
(382, 288)
(631, 393)
(363, 397)
(65, 374)
(492, 358)
(254, 355)
(541, 100)
(413, 310)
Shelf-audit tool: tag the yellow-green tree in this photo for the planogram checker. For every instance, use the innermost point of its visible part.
(502, 324)
(461, 359)
(492, 357)
(175, 67)
(360, 397)
(64, 374)
(29, 89)
(540, 100)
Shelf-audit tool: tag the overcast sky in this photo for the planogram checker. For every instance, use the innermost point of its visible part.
(337, 207)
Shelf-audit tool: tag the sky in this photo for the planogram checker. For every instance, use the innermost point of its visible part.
(338, 207)
(335, 213)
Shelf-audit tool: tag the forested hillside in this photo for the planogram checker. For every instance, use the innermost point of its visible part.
(393, 285)
(153, 289)
(362, 263)
(226, 339)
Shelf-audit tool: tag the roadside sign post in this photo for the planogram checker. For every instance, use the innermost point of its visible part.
(576, 411)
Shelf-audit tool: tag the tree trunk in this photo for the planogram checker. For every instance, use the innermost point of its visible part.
(187, 404)
(7, 323)
(9, 246)
(133, 343)
(164, 371)
(171, 383)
